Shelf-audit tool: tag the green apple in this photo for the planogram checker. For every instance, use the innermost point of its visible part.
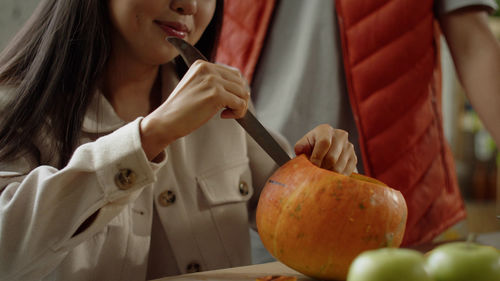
(463, 261)
(389, 264)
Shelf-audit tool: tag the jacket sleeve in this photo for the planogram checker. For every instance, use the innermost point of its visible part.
(41, 210)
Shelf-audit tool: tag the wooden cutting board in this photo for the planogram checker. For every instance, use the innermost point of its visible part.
(244, 273)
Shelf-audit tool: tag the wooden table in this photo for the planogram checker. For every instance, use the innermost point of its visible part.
(244, 273)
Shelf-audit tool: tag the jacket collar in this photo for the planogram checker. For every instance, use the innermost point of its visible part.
(100, 116)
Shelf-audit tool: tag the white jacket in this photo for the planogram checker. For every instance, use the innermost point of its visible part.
(187, 213)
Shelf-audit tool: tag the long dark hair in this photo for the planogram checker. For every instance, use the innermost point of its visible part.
(53, 65)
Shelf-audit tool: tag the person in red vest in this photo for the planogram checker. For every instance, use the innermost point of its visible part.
(371, 68)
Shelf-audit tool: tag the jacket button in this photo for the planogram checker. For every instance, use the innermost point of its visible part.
(243, 186)
(166, 198)
(125, 179)
(193, 267)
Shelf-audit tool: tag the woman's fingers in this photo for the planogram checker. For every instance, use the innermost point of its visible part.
(234, 83)
(346, 162)
(316, 144)
(236, 89)
(235, 98)
(320, 150)
(332, 143)
(236, 106)
(230, 73)
(227, 73)
(328, 148)
(225, 86)
(339, 141)
(351, 165)
(307, 144)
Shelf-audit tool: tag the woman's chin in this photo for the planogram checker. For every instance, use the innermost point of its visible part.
(161, 59)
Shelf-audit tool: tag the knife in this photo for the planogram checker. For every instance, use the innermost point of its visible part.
(251, 125)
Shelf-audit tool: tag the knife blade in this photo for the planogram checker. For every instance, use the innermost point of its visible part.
(249, 122)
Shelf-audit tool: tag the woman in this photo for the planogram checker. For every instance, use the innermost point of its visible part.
(113, 167)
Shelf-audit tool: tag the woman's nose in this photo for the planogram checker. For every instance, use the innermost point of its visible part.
(184, 7)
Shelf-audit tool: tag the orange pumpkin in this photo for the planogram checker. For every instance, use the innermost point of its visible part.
(317, 221)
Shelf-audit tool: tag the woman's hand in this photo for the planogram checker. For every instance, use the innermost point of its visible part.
(203, 91)
(328, 148)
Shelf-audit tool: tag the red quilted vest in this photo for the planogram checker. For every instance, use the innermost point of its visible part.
(391, 59)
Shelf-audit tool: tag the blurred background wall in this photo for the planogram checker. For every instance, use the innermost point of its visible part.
(13, 13)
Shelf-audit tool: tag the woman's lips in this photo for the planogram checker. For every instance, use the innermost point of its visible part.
(176, 29)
